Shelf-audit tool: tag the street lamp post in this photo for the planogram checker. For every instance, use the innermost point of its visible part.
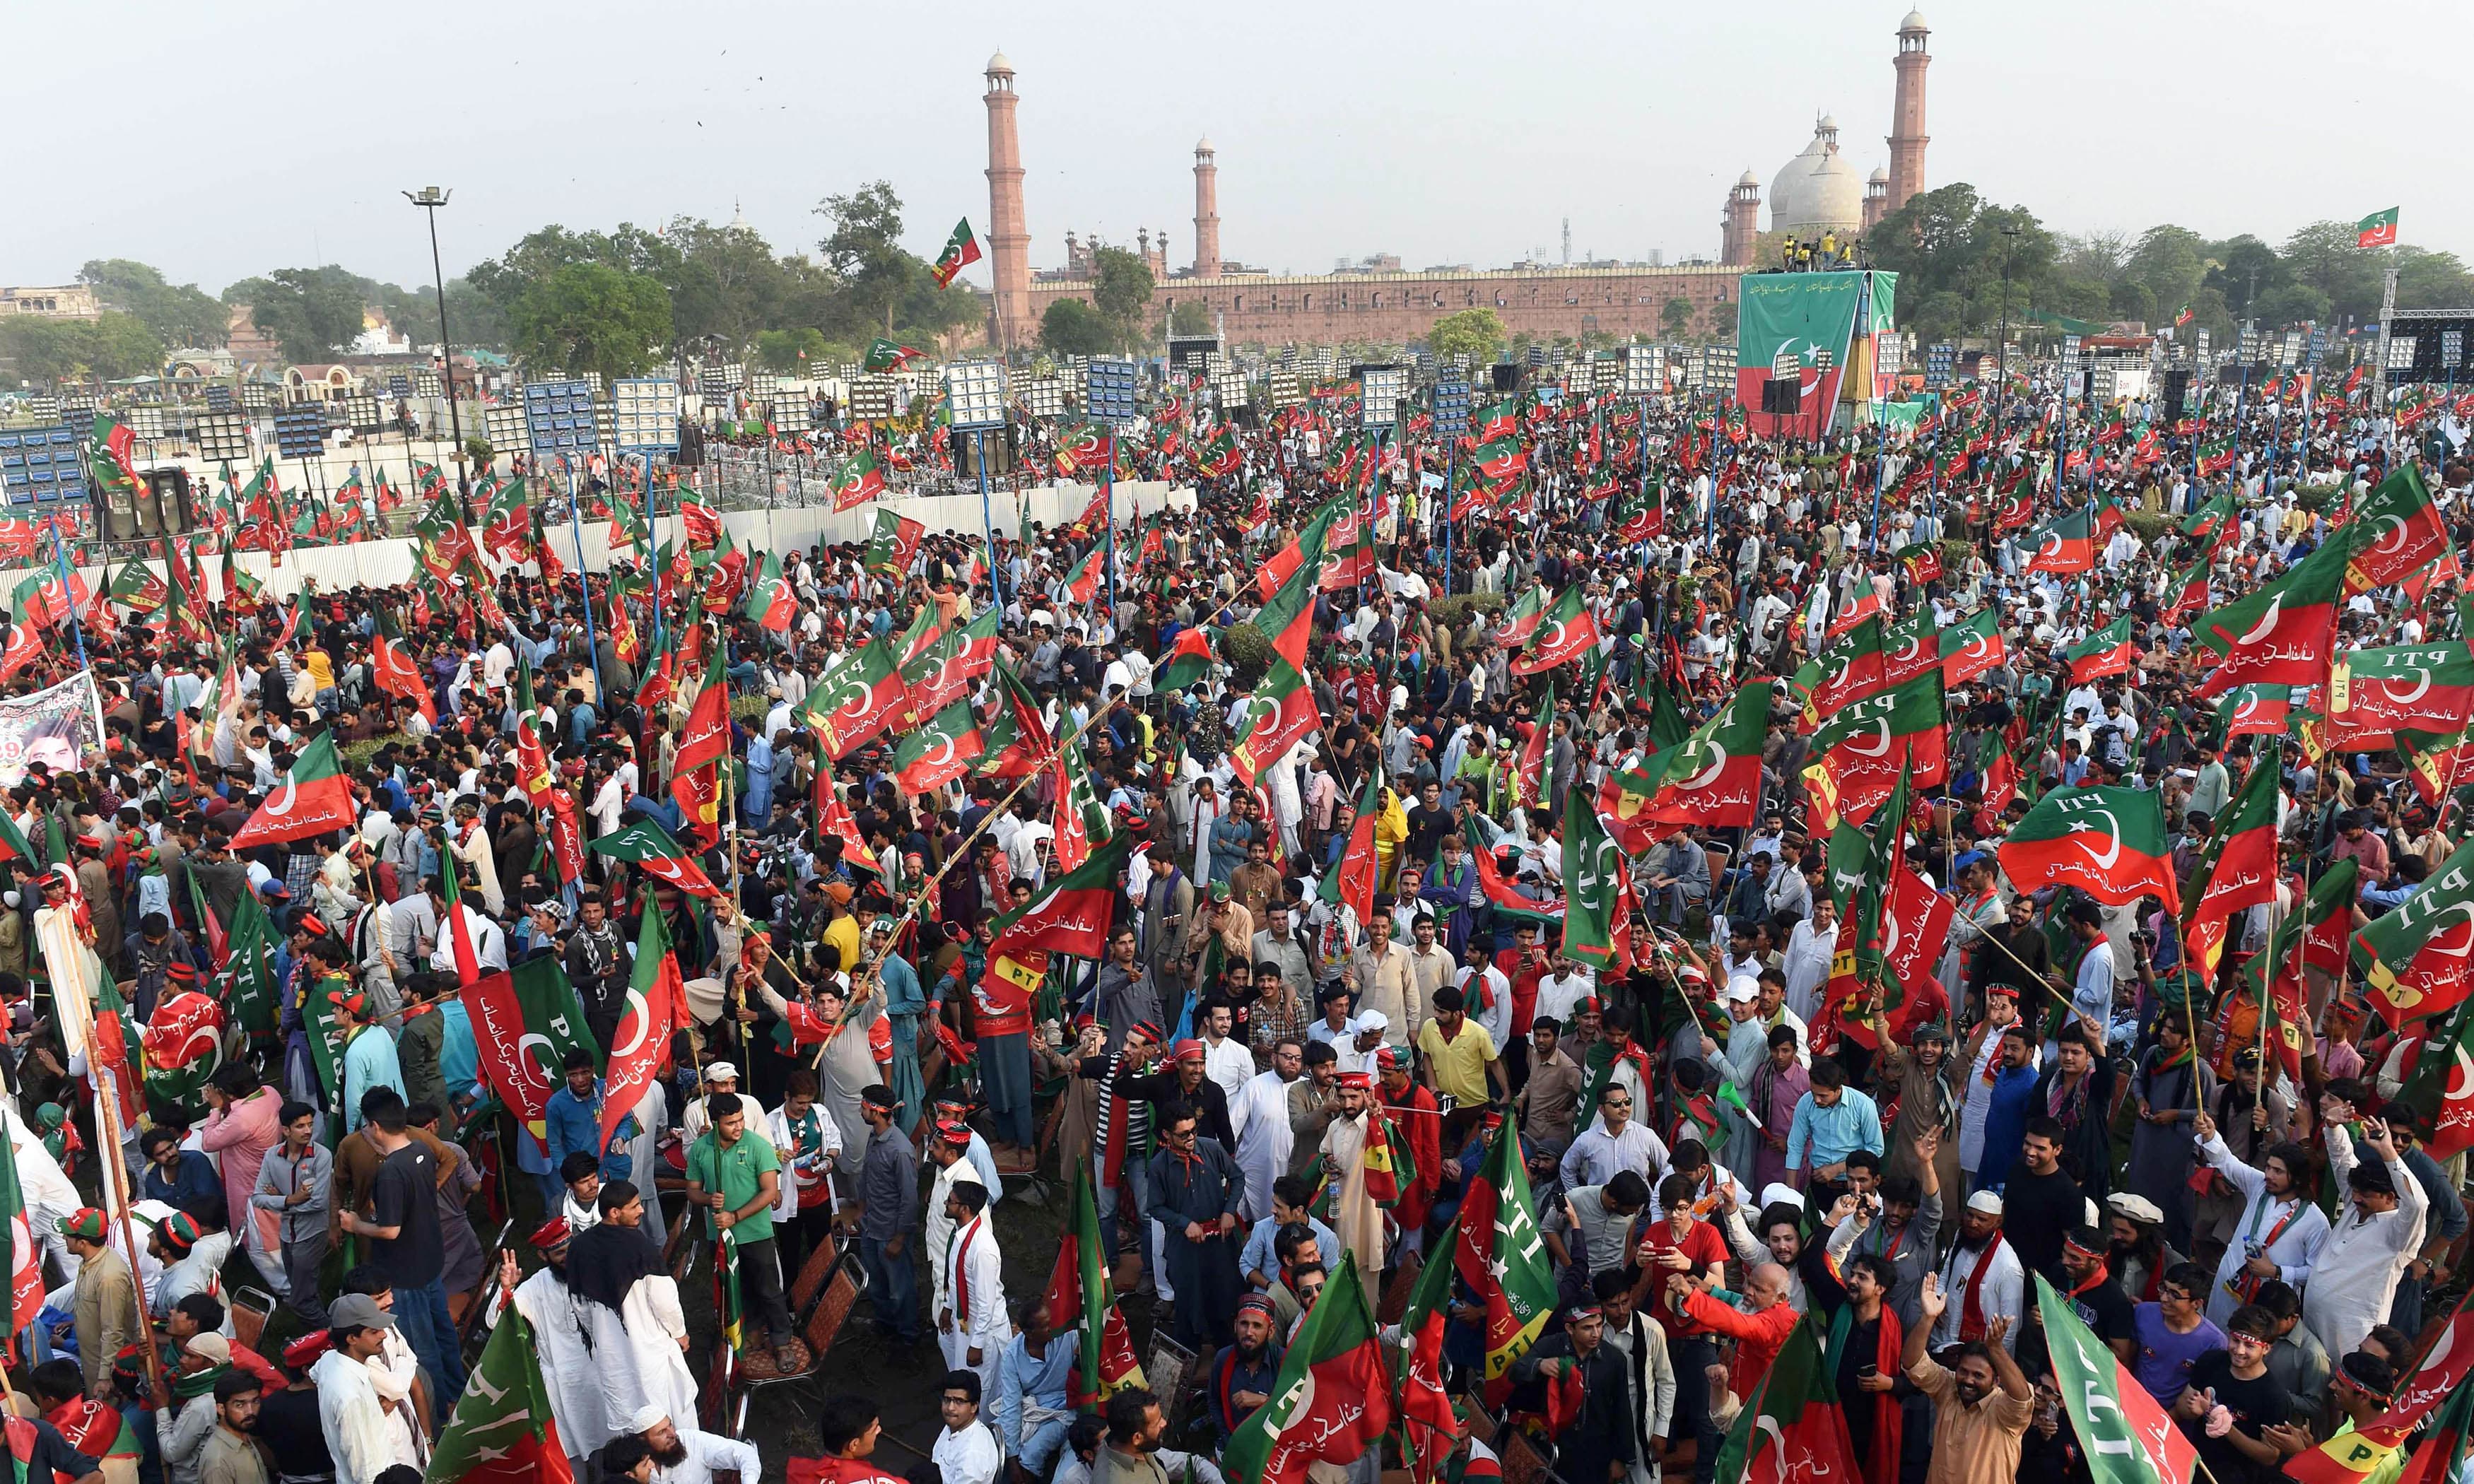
(429, 199)
(2001, 352)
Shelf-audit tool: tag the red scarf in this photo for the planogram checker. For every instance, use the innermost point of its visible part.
(961, 1264)
(1881, 1459)
(1970, 1313)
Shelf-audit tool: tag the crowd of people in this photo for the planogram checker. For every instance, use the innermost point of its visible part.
(1319, 936)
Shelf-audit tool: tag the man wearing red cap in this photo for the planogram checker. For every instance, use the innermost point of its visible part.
(574, 1387)
(1356, 1218)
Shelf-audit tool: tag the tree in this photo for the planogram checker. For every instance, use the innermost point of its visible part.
(180, 315)
(1120, 290)
(2168, 262)
(1071, 327)
(2245, 268)
(592, 317)
(801, 349)
(864, 250)
(1722, 320)
(311, 312)
(111, 346)
(726, 283)
(2290, 304)
(1475, 333)
(2430, 280)
(1191, 318)
(1675, 318)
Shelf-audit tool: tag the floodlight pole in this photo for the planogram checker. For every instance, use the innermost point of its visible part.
(583, 585)
(1109, 496)
(1451, 476)
(988, 522)
(429, 199)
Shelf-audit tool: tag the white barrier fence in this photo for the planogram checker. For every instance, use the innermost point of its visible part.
(385, 561)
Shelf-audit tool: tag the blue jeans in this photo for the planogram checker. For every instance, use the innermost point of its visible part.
(1138, 1178)
(430, 1331)
(1005, 1075)
(894, 1286)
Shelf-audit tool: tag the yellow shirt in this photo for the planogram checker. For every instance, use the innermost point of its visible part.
(320, 669)
(1460, 1063)
(843, 934)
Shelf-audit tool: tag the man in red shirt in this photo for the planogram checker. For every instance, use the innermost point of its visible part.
(848, 1425)
(1675, 1245)
(1414, 1113)
(1523, 964)
(1758, 1334)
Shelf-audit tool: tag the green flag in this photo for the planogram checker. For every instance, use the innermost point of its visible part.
(1790, 1427)
(2125, 1436)
(1593, 877)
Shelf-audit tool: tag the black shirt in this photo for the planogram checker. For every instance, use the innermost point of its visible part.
(2036, 1211)
(2256, 1404)
(288, 1424)
(403, 1194)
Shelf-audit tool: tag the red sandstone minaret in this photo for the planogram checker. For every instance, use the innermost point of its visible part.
(1206, 211)
(1907, 138)
(1009, 238)
(1877, 198)
(1742, 222)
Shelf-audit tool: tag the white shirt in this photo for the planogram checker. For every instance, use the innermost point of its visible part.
(2004, 1282)
(2295, 1250)
(2356, 1273)
(1228, 1063)
(707, 1452)
(489, 944)
(1558, 993)
(970, 1456)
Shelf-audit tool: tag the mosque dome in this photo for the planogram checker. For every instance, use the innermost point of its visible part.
(1915, 21)
(1818, 190)
(997, 64)
(1747, 179)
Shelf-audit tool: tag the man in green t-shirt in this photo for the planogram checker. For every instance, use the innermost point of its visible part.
(735, 1179)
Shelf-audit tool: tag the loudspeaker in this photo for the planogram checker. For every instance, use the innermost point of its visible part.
(2177, 391)
(1782, 395)
(164, 505)
(1245, 416)
(999, 445)
(1508, 378)
(691, 454)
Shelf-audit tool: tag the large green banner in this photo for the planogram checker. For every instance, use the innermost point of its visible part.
(1800, 328)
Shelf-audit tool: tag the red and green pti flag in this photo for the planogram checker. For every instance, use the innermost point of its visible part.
(941, 672)
(2438, 764)
(855, 702)
(2396, 534)
(1069, 913)
(1351, 882)
(2379, 230)
(1790, 1427)
(1429, 1429)
(2109, 843)
(1972, 646)
(2374, 694)
(884, 356)
(1288, 618)
(860, 480)
(893, 542)
(1016, 736)
(648, 845)
(1333, 1396)
(2066, 546)
(1522, 618)
(1083, 584)
(136, 589)
(1850, 669)
(1909, 648)
(769, 598)
(2417, 958)
(704, 750)
(2256, 711)
(314, 799)
(1501, 1256)
(1922, 561)
(1077, 1290)
(2242, 861)
(2108, 651)
(25, 1255)
(2281, 634)
(503, 1431)
(1568, 632)
(1304, 551)
(2125, 1436)
(1188, 661)
(1715, 777)
(1594, 884)
(1349, 560)
(656, 1002)
(1219, 453)
(937, 753)
(2440, 1093)
(961, 250)
(1278, 714)
(1864, 743)
(112, 453)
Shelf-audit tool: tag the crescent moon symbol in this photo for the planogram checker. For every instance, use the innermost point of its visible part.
(1708, 774)
(636, 1022)
(535, 1070)
(282, 805)
(2267, 624)
(2421, 689)
(1880, 751)
(2104, 858)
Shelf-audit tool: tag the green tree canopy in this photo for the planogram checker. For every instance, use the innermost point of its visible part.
(111, 345)
(1121, 292)
(1475, 333)
(592, 317)
(1071, 327)
(177, 314)
(311, 312)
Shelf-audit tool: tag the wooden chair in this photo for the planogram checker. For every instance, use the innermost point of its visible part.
(251, 1308)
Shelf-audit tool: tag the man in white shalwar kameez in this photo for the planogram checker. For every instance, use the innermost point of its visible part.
(1356, 1219)
(947, 1157)
(1260, 1113)
(973, 1328)
(2354, 1279)
(630, 1306)
(685, 1455)
(366, 1433)
(575, 1400)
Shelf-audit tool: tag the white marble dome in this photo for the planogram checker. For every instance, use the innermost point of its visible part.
(1819, 190)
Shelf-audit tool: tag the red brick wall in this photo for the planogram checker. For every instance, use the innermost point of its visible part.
(1402, 307)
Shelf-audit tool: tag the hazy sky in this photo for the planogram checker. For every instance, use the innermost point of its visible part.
(218, 141)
